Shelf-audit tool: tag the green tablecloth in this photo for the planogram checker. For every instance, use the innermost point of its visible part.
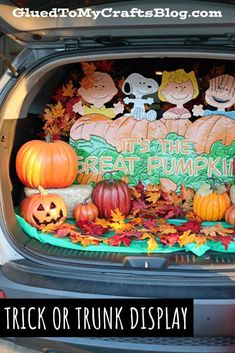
(136, 247)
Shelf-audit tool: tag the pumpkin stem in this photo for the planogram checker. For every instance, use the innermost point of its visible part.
(215, 181)
(42, 190)
(110, 173)
(48, 138)
(213, 187)
(86, 199)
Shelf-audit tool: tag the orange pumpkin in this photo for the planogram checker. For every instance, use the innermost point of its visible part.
(115, 131)
(84, 178)
(49, 164)
(42, 209)
(211, 206)
(85, 212)
(230, 215)
(207, 130)
(179, 126)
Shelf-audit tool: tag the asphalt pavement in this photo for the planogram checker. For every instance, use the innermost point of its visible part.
(8, 347)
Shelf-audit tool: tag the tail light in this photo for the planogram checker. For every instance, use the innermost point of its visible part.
(2, 294)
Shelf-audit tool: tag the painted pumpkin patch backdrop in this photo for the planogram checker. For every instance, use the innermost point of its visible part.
(181, 151)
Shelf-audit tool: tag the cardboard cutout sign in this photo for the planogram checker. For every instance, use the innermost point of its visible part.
(140, 150)
(178, 87)
(221, 95)
(172, 150)
(140, 86)
(98, 89)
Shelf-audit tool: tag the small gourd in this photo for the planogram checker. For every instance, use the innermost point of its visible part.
(86, 211)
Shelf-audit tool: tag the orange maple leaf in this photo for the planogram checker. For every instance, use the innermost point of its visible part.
(186, 238)
(152, 242)
(69, 89)
(87, 240)
(187, 195)
(135, 220)
(52, 228)
(118, 221)
(88, 68)
(166, 229)
(209, 231)
(135, 193)
(47, 115)
(200, 239)
(102, 222)
(153, 197)
(57, 110)
(152, 193)
(87, 82)
(174, 198)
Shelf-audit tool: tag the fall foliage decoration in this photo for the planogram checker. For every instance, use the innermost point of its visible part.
(86, 211)
(58, 117)
(150, 221)
(211, 202)
(125, 231)
(111, 194)
(51, 164)
(43, 209)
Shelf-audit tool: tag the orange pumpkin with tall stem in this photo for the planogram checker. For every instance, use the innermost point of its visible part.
(51, 164)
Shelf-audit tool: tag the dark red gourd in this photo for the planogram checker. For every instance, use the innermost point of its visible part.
(109, 195)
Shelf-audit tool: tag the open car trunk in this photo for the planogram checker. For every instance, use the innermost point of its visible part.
(50, 270)
(21, 123)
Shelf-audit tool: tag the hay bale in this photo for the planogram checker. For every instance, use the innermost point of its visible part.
(72, 195)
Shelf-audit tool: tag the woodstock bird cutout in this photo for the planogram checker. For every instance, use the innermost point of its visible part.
(139, 86)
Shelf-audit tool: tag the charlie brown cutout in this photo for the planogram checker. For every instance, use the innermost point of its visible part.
(178, 87)
(220, 94)
(100, 91)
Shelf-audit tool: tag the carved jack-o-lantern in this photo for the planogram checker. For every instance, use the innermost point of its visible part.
(42, 209)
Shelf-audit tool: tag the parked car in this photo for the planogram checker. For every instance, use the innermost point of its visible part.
(31, 269)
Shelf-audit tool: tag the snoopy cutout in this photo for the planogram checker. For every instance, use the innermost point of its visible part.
(140, 86)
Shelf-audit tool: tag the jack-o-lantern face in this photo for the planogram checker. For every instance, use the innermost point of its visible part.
(42, 209)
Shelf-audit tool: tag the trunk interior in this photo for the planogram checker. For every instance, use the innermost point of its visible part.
(16, 130)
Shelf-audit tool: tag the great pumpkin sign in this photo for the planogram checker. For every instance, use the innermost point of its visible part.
(172, 151)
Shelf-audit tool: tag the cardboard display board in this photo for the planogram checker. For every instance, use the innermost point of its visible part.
(172, 150)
